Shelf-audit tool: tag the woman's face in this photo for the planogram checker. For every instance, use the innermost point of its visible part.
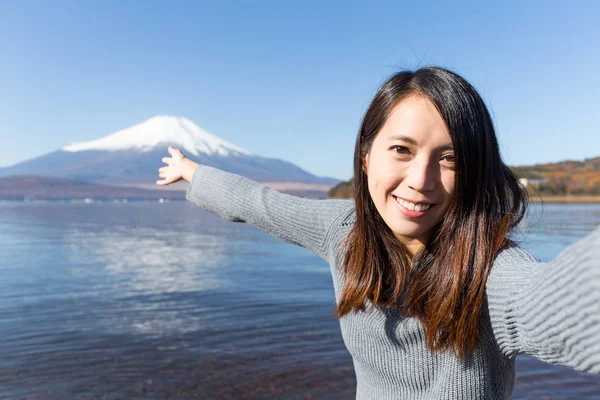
(410, 170)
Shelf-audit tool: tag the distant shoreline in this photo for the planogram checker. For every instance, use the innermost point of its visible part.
(315, 195)
(564, 199)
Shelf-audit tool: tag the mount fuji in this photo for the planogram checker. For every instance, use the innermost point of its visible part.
(132, 156)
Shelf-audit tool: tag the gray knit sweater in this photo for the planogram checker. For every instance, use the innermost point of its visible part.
(549, 311)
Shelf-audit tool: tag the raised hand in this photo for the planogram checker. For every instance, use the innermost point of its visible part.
(178, 167)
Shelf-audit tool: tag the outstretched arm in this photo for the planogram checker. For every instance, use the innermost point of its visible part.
(549, 311)
(300, 221)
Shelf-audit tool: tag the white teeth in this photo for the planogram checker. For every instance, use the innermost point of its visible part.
(412, 206)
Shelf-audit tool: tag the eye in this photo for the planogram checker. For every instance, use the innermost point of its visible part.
(449, 158)
(400, 149)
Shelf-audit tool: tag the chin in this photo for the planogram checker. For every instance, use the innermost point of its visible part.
(409, 234)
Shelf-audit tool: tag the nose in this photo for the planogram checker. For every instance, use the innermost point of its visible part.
(422, 175)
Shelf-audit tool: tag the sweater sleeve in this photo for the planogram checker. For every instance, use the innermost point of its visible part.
(550, 311)
(304, 222)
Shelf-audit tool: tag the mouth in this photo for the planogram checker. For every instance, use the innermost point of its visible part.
(413, 209)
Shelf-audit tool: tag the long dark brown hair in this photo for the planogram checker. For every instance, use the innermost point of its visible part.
(444, 285)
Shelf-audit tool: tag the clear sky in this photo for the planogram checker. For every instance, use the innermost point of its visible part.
(291, 80)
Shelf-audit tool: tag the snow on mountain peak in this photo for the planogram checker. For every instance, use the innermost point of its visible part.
(158, 131)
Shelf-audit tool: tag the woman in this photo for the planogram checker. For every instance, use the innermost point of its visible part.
(434, 299)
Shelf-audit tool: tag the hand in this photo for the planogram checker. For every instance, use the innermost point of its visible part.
(176, 169)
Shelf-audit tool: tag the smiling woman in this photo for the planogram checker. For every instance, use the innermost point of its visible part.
(427, 140)
(434, 298)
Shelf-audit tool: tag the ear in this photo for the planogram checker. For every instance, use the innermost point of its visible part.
(365, 164)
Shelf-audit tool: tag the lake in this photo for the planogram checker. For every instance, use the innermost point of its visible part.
(150, 300)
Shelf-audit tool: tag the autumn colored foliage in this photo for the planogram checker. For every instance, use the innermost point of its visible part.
(564, 178)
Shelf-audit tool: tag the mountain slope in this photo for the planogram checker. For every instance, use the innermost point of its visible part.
(133, 156)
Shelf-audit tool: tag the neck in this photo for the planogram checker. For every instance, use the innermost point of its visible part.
(413, 245)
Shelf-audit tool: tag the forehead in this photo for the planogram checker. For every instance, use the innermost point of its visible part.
(415, 117)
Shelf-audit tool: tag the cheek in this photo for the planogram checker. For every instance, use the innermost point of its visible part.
(382, 184)
(383, 177)
(448, 184)
(374, 190)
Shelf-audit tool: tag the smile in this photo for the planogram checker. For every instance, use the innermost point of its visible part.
(413, 206)
(413, 209)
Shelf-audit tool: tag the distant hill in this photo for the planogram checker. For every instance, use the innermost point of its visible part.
(570, 178)
(29, 188)
(48, 188)
(342, 190)
(563, 178)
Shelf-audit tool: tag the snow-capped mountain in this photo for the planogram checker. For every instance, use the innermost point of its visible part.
(159, 130)
(133, 156)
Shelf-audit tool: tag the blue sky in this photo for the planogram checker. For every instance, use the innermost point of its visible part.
(291, 80)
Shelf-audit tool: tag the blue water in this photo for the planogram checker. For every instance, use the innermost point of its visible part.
(149, 300)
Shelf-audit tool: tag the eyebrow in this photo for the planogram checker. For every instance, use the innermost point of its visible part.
(412, 141)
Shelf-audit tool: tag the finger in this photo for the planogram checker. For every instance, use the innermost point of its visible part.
(162, 169)
(167, 160)
(162, 174)
(174, 152)
(160, 182)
